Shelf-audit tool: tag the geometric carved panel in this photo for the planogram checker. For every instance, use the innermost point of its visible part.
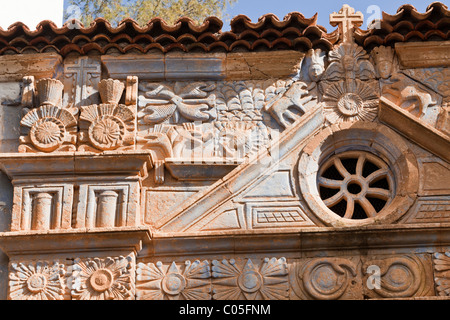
(430, 210)
(435, 177)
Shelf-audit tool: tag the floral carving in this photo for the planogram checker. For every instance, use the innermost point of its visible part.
(36, 281)
(349, 101)
(238, 139)
(109, 126)
(50, 129)
(156, 282)
(103, 279)
(442, 273)
(268, 281)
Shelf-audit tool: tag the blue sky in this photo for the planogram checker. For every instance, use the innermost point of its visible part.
(33, 11)
(256, 8)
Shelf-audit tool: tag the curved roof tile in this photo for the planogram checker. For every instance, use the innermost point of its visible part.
(294, 31)
(408, 25)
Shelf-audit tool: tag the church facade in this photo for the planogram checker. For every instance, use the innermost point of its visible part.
(273, 161)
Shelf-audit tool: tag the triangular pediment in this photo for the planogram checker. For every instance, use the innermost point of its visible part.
(414, 129)
(264, 179)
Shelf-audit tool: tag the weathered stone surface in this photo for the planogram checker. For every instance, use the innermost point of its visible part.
(418, 55)
(262, 65)
(268, 173)
(41, 65)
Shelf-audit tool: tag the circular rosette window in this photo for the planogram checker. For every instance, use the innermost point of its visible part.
(107, 132)
(355, 185)
(358, 175)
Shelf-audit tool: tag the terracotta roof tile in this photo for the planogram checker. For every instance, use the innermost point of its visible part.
(269, 33)
(408, 25)
(294, 32)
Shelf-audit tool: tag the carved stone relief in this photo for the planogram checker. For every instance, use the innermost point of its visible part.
(110, 278)
(81, 78)
(234, 281)
(164, 282)
(41, 280)
(50, 127)
(107, 126)
(325, 279)
(400, 276)
(442, 273)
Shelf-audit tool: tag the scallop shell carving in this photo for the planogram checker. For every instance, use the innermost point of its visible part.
(48, 111)
(50, 91)
(110, 90)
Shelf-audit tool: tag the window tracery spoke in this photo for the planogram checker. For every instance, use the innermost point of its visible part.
(374, 176)
(379, 193)
(350, 208)
(330, 183)
(340, 167)
(368, 207)
(360, 165)
(334, 199)
(355, 184)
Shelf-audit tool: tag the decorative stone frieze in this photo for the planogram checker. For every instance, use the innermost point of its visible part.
(41, 280)
(325, 279)
(164, 282)
(110, 278)
(172, 174)
(110, 125)
(50, 127)
(234, 281)
(442, 273)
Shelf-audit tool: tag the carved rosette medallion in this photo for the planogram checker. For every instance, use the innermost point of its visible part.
(50, 127)
(354, 101)
(108, 125)
(268, 281)
(36, 281)
(159, 282)
(103, 279)
(442, 273)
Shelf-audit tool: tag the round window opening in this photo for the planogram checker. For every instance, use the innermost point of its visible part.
(355, 184)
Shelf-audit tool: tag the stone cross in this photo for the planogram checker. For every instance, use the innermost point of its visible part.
(347, 19)
(82, 77)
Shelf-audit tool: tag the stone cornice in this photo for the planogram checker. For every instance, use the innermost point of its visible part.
(423, 55)
(74, 241)
(40, 65)
(306, 241)
(19, 165)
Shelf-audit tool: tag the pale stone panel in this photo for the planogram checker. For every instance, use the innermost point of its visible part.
(419, 55)
(10, 115)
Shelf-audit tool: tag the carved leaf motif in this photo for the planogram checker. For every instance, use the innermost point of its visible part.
(442, 273)
(268, 281)
(36, 281)
(155, 282)
(103, 279)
